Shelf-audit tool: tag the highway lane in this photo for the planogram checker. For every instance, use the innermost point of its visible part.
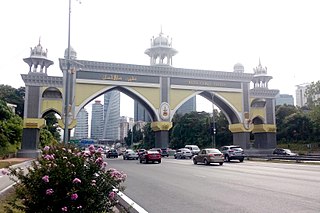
(180, 186)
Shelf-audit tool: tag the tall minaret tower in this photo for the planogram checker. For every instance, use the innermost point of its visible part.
(161, 51)
(38, 58)
(261, 78)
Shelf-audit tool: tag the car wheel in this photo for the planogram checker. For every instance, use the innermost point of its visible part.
(206, 162)
(241, 160)
(195, 161)
(221, 163)
(159, 161)
(227, 158)
(124, 158)
(140, 160)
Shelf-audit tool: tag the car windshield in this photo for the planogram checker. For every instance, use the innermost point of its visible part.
(213, 151)
(236, 148)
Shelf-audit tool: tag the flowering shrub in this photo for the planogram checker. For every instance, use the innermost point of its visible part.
(65, 179)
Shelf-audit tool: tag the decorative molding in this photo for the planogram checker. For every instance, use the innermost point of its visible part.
(165, 71)
(42, 80)
(161, 126)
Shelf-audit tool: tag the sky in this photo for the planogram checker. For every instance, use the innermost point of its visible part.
(208, 34)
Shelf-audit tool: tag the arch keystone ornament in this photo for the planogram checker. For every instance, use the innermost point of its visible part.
(165, 111)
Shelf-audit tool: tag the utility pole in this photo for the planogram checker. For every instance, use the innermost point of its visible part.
(67, 85)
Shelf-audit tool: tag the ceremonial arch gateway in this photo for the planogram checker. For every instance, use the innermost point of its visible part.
(160, 88)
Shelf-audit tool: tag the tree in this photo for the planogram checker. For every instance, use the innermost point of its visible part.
(191, 128)
(13, 96)
(313, 94)
(149, 137)
(52, 125)
(10, 128)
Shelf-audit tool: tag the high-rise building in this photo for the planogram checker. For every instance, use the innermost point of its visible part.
(140, 113)
(97, 120)
(82, 128)
(187, 107)
(301, 98)
(111, 125)
(124, 127)
(282, 99)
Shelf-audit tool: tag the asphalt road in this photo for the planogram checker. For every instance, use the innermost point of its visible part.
(179, 186)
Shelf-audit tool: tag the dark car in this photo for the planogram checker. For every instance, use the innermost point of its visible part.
(112, 153)
(150, 156)
(164, 153)
(233, 152)
(286, 152)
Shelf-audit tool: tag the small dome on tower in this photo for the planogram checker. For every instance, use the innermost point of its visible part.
(238, 67)
(73, 54)
(38, 51)
(259, 70)
(161, 40)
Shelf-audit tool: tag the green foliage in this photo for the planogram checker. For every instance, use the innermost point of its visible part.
(149, 137)
(66, 179)
(46, 138)
(191, 128)
(313, 94)
(52, 125)
(135, 137)
(13, 96)
(10, 128)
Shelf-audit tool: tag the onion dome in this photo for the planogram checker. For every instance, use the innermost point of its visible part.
(73, 54)
(238, 67)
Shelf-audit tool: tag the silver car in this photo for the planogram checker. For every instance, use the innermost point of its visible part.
(183, 153)
(130, 154)
(233, 152)
(208, 156)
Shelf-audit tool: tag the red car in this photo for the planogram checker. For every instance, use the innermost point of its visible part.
(152, 156)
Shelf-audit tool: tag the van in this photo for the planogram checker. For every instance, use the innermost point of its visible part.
(193, 148)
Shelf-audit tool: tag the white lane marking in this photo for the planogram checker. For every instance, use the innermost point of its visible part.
(202, 176)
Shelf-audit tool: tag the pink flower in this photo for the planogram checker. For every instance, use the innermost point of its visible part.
(46, 148)
(93, 182)
(74, 196)
(4, 171)
(76, 180)
(64, 209)
(45, 178)
(79, 207)
(49, 191)
(99, 161)
(91, 148)
(100, 150)
(112, 195)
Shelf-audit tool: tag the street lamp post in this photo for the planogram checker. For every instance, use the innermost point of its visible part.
(67, 84)
(213, 124)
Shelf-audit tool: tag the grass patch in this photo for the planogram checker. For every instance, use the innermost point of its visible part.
(8, 200)
(6, 164)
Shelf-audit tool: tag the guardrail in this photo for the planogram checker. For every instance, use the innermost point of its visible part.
(283, 157)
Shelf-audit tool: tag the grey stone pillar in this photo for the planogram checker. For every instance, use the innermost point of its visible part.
(162, 139)
(242, 139)
(265, 140)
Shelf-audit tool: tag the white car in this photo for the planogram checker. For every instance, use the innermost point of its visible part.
(130, 154)
(183, 153)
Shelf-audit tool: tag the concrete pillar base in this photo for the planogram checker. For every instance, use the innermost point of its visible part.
(28, 153)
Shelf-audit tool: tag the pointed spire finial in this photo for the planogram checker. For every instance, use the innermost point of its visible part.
(259, 61)
(161, 29)
(39, 40)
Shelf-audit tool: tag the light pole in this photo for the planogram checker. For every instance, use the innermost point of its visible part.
(213, 124)
(67, 85)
